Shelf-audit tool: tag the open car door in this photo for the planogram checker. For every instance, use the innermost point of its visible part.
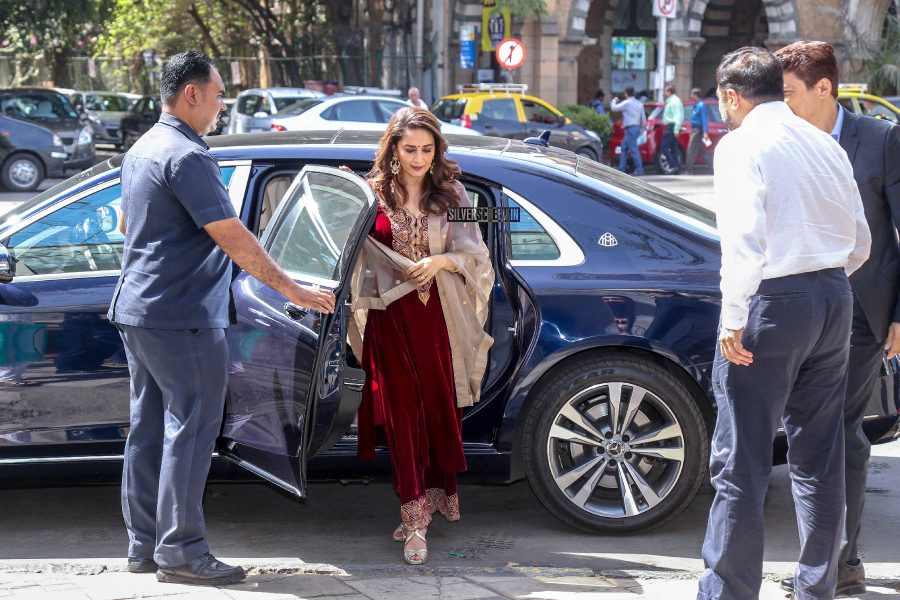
(287, 363)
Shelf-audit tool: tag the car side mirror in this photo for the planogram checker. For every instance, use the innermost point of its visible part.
(261, 115)
(7, 265)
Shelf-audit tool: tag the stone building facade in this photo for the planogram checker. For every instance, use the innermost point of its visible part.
(569, 48)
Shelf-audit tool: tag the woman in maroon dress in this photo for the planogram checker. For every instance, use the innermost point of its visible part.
(420, 271)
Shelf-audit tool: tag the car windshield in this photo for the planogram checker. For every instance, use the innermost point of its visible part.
(107, 102)
(449, 109)
(299, 107)
(281, 103)
(641, 191)
(37, 105)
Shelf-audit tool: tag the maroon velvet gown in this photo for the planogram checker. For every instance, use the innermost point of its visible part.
(409, 399)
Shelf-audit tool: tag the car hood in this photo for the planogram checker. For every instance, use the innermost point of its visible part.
(109, 116)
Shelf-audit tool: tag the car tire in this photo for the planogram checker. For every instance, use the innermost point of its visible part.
(22, 173)
(662, 162)
(661, 448)
(587, 153)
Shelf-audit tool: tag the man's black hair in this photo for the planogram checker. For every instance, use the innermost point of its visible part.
(629, 90)
(185, 67)
(754, 73)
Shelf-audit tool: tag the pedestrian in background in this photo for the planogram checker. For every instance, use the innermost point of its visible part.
(792, 228)
(699, 131)
(633, 119)
(171, 308)
(873, 148)
(421, 291)
(412, 97)
(673, 119)
(597, 102)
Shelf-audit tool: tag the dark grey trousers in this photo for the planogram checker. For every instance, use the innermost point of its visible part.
(178, 381)
(862, 375)
(799, 333)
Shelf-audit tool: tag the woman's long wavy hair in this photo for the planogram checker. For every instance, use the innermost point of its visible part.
(440, 184)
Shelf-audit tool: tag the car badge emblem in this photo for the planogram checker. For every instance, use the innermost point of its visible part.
(608, 240)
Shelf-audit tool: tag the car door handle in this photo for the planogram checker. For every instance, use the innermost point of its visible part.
(295, 312)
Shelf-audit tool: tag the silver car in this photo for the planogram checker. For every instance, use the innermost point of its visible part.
(254, 109)
(105, 111)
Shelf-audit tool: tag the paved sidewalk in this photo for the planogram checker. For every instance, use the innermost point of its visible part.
(267, 583)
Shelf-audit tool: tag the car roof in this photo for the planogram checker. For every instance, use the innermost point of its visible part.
(31, 90)
(553, 157)
(280, 91)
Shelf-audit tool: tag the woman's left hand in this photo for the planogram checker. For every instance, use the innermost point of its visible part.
(426, 269)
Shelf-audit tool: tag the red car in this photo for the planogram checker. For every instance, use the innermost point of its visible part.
(650, 149)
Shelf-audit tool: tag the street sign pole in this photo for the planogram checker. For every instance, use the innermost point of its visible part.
(661, 57)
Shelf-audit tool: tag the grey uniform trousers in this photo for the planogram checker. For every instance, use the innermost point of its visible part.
(799, 332)
(178, 382)
(862, 375)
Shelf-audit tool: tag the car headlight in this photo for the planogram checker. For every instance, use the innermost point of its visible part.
(57, 141)
(592, 134)
(85, 137)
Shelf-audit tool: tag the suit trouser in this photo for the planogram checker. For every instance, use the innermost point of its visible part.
(178, 381)
(862, 375)
(799, 333)
(695, 147)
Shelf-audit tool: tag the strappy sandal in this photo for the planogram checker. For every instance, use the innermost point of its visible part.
(399, 535)
(415, 557)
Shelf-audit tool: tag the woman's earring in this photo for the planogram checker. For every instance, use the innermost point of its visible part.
(395, 165)
(431, 169)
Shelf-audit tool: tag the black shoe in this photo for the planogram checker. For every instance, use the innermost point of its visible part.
(203, 570)
(141, 565)
(851, 580)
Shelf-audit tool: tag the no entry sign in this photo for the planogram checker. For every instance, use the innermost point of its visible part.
(664, 8)
(510, 53)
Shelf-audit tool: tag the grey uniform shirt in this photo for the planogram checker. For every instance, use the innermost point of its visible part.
(174, 276)
(632, 111)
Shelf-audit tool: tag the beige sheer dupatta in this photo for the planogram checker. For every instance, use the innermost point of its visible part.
(379, 278)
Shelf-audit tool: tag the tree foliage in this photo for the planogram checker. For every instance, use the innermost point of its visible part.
(883, 66)
(45, 34)
(525, 8)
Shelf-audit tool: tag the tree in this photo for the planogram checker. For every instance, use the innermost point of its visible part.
(48, 33)
(883, 66)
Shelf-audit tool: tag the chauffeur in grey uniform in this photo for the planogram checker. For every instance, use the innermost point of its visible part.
(171, 308)
(873, 147)
(792, 228)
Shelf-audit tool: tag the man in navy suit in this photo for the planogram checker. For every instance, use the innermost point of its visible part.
(873, 147)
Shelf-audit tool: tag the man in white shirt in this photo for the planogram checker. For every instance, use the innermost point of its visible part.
(792, 229)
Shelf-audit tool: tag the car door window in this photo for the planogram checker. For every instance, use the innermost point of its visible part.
(362, 111)
(882, 112)
(313, 226)
(264, 105)
(81, 237)
(503, 109)
(386, 109)
(538, 113)
(847, 103)
(528, 239)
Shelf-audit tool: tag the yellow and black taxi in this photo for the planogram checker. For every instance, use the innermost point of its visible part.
(505, 110)
(856, 98)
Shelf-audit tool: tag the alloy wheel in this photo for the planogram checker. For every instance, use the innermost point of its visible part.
(23, 173)
(616, 450)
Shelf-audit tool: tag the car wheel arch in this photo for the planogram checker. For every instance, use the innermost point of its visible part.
(523, 398)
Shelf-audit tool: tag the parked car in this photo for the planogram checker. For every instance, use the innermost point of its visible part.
(141, 116)
(650, 150)
(28, 154)
(104, 111)
(224, 117)
(504, 110)
(604, 317)
(362, 113)
(856, 98)
(52, 110)
(254, 109)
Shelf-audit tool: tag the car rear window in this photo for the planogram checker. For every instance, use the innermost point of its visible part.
(300, 106)
(281, 103)
(448, 109)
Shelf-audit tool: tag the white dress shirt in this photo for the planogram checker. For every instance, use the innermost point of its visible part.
(786, 203)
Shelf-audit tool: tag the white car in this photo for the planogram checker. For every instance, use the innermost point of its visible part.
(254, 109)
(367, 113)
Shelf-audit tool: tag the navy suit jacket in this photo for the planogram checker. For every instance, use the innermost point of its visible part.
(873, 147)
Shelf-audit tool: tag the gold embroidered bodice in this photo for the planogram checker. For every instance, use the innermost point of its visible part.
(409, 237)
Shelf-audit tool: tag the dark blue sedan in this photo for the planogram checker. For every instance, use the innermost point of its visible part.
(604, 316)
